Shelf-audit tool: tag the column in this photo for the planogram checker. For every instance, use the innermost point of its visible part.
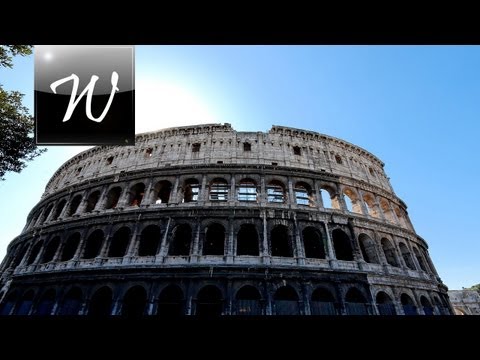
(362, 203)
(263, 197)
(123, 200)
(300, 252)
(291, 194)
(330, 252)
(203, 196)
(163, 245)
(265, 249)
(147, 196)
(318, 196)
(174, 192)
(101, 200)
(379, 209)
(196, 243)
(232, 196)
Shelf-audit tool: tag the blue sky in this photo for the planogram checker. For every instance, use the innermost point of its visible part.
(416, 107)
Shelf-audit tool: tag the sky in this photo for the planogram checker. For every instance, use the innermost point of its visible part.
(417, 108)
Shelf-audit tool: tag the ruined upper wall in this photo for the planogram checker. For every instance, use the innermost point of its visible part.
(220, 143)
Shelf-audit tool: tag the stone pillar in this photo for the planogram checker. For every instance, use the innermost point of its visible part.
(80, 246)
(101, 200)
(229, 249)
(362, 203)
(106, 243)
(133, 242)
(147, 196)
(163, 251)
(203, 196)
(330, 249)
(299, 252)
(263, 198)
(379, 209)
(174, 193)
(291, 193)
(265, 248)
(196, 243)
(318, 196)
(232, 194)
(123, 199)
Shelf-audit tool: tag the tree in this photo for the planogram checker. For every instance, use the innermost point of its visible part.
(475, 287)
(17, 145)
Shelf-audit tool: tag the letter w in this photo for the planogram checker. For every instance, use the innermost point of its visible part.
(89, 88)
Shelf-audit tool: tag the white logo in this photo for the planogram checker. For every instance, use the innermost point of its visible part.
(89, 88)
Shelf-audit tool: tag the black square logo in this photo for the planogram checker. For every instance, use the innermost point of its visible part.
(84, 95)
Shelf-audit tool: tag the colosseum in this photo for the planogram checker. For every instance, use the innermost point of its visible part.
(206, 220)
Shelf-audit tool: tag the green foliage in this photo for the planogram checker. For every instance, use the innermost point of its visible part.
(17, 145)
(475, 287)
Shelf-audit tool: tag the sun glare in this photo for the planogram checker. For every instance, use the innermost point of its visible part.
(160, 105)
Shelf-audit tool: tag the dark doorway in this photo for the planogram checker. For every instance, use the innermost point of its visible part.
(408, 305)
(214, 240)
(93, 245)
(72, 302)
(385, 305)
(70, 247)
(33, 255)
(313, 243)
(182, 237)
(355, 303)
(45, 306)
(280, 242)
(170, 302)
(8, 304)
(149, 241)
(342, 245)
(112, 197)
(25, 304)
(134, 302)
(323, 302)
(286, 301)
(101, 303)
(209, 302)
(248, 301)
(50, 250)
(247, 240)
(119, 243)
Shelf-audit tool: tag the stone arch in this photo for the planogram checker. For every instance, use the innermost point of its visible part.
(209, 301)
(427, 305)
(407, 256)
(385, 304)
(93, 245)
(408, 305)
(72, 302)
(25, 304)
(303, 194)
(191, 190)
(389, 252)
(9, 303)
(181, 240)
(134, 302)
(248, 301)
(342, 245)
(59, 208)
(420, 259)
(113, 196)
(247, 190)
(136, 194)
(150, 239)
(248, 240)
(50, 250)
(281, 242)
(218, 190)
(355, 302)
(171, 301)
(313, 243)
(101, 302)
(119, 243)
(352, 200)
(276, 192)
(92, 201)
(371, 205)
(34, 253)
(46, 213)
(214, 240)
(20, 255)
(322, 302)
(46, 303)
(70, 247)
(368, 247)
(286, 301)
(387, 211)
(162, 192)
(74, 204)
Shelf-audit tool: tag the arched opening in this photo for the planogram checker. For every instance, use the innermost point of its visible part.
(25, 303)
(209, 302)
(50, 250)
(113, 196)
(219, 190)
(368, 249)
(19, 257)
(286, 301)
(70, 247)
(323, 302)
(191, 190)
(276, 192)
(408, 305)
(371, 205)
(72, 302)
(214, 240)
(161, 192)
(313, 243)
(101, 303)
(171, 302)
(419, 258)
(46, 213)
(303, 194)
(387, 211)
(74, 205)
(355, 302)
(280, 241)
(427, 306)
(329, 199)
(390, 253)
(134, 302)
(149, 241)
(441, 309)
(136, 194)
(59, 209)
(342, 245)
(407, 257)
(182, 238)
(119, 243)
(93, 245)
(385, 304)
(8, 304)
(45, 305)
(247, 240)
(34, 253)
(92, 201)
(248, 301)
(247, 190)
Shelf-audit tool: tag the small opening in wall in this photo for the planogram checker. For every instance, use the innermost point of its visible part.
(371, 171)
(196, 147)
(78, 170)
(297, 150)
(247, 147)
(110, 160)
(148, 152)
(219, 162)
(274, 163)
(338, 159)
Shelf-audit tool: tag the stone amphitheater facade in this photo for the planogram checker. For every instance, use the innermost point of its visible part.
(206, 220)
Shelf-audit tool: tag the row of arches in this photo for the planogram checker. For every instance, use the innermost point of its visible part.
(213, 239)
(248, 189)
(209, 300)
